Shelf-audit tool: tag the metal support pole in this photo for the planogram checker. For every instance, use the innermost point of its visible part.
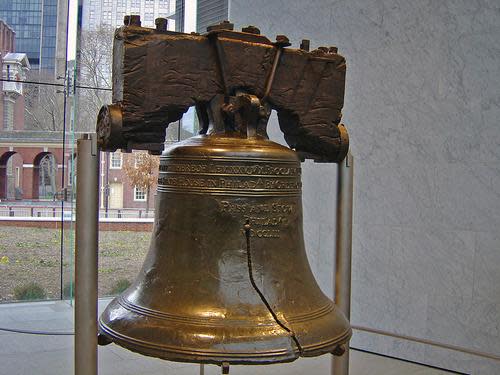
(87, 206)
(340, 365)
(202, 369)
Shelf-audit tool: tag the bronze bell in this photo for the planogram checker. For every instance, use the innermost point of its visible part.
(226, 279)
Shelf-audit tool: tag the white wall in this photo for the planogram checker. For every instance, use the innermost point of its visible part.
(422, 108)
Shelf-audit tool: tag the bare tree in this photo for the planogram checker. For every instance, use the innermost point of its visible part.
(95, 67)
(44, 108)
(43, 103)
(141, 169)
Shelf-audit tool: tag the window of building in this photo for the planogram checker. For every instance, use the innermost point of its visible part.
(116, 160)
(139, 194)
(17, 182)
(106, 17)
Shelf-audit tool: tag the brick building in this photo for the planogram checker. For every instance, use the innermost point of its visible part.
(116, 190)
(30, 164)
(30, 161)
(33, 164)
(14, 67)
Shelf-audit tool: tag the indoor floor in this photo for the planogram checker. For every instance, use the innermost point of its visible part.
(26, 354)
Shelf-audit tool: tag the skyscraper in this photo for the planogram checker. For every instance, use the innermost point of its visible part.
(200, 14)
(210, 12)
(35, 25)
(98, 13)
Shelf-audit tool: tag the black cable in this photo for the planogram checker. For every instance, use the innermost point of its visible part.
(34, 332)
(92, 88)
(261, 295)
(33, 82)
(408, 361)
(55, 84)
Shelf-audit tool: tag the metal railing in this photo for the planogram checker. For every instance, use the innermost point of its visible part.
(29, 212)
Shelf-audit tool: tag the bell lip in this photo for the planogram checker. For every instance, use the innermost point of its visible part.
(114, 325)
(240, 358)
(191, 356)
(178, 354)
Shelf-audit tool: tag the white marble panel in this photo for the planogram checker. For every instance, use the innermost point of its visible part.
(422, 107)
(464, 322)
(389, 308)
(372, 254)
(486, 268)
(318, 204)
(389, 346)
(449, 359)
(431, 261)
(467, 197)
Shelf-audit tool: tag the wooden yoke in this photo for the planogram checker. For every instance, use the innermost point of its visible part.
(158, 75)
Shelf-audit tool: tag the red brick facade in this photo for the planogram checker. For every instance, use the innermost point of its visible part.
(28, 157)
(115, 176)
(25, 157)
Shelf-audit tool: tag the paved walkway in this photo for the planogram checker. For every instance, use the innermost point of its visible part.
(23, 354)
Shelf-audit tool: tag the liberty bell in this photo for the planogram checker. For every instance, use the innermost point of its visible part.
(226, 279)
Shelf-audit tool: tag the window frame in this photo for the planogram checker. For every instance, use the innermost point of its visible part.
(138, 190)
(112, 160)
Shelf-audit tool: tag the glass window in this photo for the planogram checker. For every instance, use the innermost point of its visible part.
(139, 194)
(116, 160)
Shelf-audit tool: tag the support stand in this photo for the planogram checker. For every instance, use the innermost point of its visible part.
(340, 365)
(86, 256)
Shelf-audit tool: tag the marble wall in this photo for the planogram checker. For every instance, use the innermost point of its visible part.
(422, 107)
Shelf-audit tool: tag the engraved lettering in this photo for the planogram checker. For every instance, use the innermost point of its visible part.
(263, 233)
(267, 219)
(256, 177)
(237, 208)
(249, 170)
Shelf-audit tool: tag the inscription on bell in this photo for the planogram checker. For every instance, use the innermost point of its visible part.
(226, 183)
(247, 208)
(250, 170)
(259, 177)
(267, 219)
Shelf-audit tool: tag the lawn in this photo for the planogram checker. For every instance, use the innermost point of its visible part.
(34, 255)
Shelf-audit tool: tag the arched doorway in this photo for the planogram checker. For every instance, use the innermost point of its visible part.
(44, 176)
(11, 172)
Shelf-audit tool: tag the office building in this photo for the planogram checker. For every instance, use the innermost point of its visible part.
(210, 12)
(35, 25)
(199, 14)
(99, 13)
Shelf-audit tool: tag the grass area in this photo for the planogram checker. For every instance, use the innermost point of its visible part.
(30, 255)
